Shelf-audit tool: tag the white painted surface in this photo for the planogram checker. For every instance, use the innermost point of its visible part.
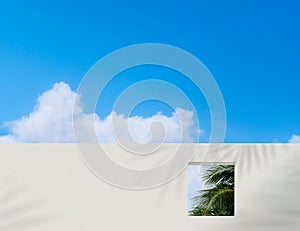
(46, 187)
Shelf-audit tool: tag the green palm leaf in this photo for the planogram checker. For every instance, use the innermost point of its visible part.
(219, 174)
(218, 199)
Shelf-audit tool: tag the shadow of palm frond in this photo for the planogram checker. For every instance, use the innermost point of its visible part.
(268, 186)
(19, 213)
(249, 158)
(275, 197)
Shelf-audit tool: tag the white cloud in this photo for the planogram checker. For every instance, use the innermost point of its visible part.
(7, 139)
(294, 139)
(51, 121)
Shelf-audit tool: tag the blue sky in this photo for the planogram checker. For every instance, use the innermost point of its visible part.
(195, 182)
(251, 48)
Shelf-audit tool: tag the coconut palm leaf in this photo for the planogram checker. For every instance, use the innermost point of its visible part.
(219, 174)
(218, 199)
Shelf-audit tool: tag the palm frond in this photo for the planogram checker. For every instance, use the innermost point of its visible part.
(219, 174)
(218, 198)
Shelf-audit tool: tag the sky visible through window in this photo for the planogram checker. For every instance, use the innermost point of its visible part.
(195, 183)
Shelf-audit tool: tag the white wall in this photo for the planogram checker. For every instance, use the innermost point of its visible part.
(47, 187)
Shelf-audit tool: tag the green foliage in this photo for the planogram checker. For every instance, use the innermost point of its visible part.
(218, 198)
